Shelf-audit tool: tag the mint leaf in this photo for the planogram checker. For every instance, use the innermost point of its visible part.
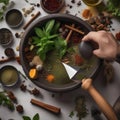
(49, 26)
(39, 32)
(36, 117)
(26, 118)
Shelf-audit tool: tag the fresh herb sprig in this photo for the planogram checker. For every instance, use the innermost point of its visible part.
(47, 39)
(5, 100)
(35, 117)
(113, 6)
(3, 8)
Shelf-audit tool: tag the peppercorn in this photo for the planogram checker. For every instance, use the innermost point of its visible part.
(19, 108)
(23, 87)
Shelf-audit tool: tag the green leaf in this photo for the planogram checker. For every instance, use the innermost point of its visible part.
(53, 36)
(26, 118)
(71, 114)
(35, 40)
(56, 28)
(4, 1)
(61, 46)
(36, 117)
(49, 26)
(39, 32)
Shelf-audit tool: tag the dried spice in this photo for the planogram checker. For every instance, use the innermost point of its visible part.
(12, 96)
(19, 108)
(80, 107)
(23, 87)
(50, 78)
(101, 22)
(87, 13)
(35, 92)
(27, 11)
(117, 35)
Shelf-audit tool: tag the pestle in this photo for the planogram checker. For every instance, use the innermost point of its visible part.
(86, 49)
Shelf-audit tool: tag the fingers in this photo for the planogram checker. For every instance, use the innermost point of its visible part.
(89, 36)
(94, 36)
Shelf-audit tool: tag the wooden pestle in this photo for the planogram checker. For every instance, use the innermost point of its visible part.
(105, 107)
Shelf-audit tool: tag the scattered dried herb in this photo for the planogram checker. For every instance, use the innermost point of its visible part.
(80, 107)
(71, 114)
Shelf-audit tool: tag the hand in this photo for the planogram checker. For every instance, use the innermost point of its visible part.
(107, 45)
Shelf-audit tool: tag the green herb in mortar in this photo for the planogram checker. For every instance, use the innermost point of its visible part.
(47, 38)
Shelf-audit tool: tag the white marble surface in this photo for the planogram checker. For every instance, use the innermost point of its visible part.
(66, 101)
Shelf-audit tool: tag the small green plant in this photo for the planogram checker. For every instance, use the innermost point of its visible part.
(35, 117)
(3, 8)
(5, 101)
(47, 39)
(113, 6)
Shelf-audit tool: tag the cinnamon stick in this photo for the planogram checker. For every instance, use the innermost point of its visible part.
(69, 34)
(31, 20)
(9, 59)
(74, 29)
(46, 106)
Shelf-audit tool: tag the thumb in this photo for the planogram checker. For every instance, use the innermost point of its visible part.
(97, 52)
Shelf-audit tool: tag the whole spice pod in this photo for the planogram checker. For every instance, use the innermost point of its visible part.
(19, 108)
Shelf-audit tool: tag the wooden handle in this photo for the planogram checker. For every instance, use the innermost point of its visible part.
(46, 106)
(100, 101)
(103, 104)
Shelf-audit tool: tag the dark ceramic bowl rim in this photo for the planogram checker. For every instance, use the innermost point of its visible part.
(12, 67)
(21, 15)
(5, 44)
(67, 87)
(55, 11)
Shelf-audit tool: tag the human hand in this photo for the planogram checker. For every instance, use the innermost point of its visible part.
(107, 45)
